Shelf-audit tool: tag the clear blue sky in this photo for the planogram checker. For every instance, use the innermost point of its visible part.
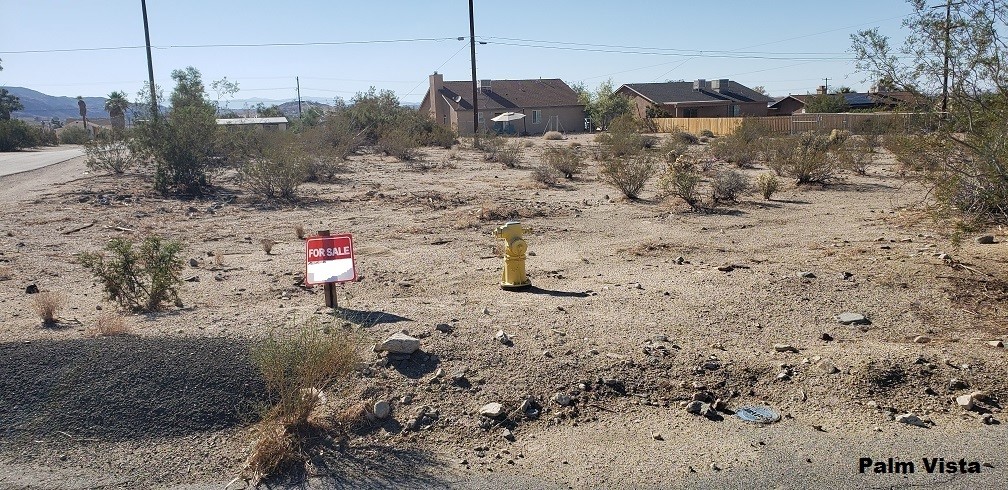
(786, 46)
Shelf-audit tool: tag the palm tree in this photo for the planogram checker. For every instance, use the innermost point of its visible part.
(116, 105)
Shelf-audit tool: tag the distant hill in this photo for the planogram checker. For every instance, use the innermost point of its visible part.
(42, 106)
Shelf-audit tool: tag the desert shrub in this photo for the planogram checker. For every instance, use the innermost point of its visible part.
(682, 183)
(110, 152)
(567, 161)
(15, 135)
(728, 184)
(618, 144)
(628, 174)
(671, 149)
(298, 367)
(855, 154)
(706, 133)
(139, 280)
(837, 137)
(398, 143)
(734, 150)
(509, 155)
(553, 135)
(267, 245)
(110, 323)
(273, 164)
(546, 175)
(186, 147)
(684, 137)
(767, 184)
(47, 305)
(804, 157)
(440, 136)
(299, 232)
(336, 137)
(74, 135)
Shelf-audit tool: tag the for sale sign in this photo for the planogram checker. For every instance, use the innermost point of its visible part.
(329, 259)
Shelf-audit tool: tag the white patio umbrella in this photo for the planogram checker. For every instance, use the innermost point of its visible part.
(508, 116)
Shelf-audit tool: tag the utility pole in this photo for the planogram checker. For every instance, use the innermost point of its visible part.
(298, 80)
(948, 22)
(150, 64)
(472, 54)
(826, 86)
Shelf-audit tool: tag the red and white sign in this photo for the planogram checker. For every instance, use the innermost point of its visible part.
(329, 259)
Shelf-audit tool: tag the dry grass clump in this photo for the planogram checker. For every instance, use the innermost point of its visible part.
(5, 273)
(110, 323)
(47, 305)
(545, 175)
(298, 367)
(299, 232)
(267, 245)
(553, 135)
(728, 185)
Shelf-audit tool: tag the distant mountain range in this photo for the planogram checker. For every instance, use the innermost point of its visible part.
(39, 106)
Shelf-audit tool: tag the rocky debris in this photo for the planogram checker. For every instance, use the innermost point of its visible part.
(382, 409)
(827, 367)
(406, 399)
(193, 262)
(425, 416)
(826, 337)
(503, 338)
(988, 419)
(965, 401)
(492, 410)
(657, 436)
(846, 276)
(806, 275)
(996, 343)
(697, 407)
(730, 267)
(563, 399)
(957, 384)
(985, 239)
(530, 408)
(398, 343)
(785, 373)
(912, 419)
(921, 339)
(680, 260)
(31, 289)
(785, 348)
(853, 319)
(508, 435)
(444, 328)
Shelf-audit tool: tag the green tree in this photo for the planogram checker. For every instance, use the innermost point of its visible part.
(604, 104)
(826, 103)
(270, 111)
(225, 89)
(8, 104)
(966, 157)
(116, 105)
(189, 90)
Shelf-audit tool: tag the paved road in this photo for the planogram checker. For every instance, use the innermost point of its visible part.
(22, 161)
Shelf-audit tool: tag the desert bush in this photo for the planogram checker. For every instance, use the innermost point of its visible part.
(298, 367)
(728, 184)
(804, 157)
(299, 232)
(671, 149)
(553, 135)
(110, 152)
(546, 175)
(767, 184)
(855, 154)
(74, 135)
(139, 280)
(734, 150)
(684, 137)
(15, 135)
(509, 155)
(440, 136)
(267, 245)
(110, 323)
(837, 137)
(398, 143)
(682, 183)
(706, 133)
(567, 161)
(628, 174)
(47, 305)
(273, 164)
(337, 137)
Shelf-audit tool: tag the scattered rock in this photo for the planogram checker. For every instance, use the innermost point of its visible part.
(193, 278)
(996, 343)
(492, 410)
(406, 399)
(826, 337)
(563, 399)
(827, 367)
(957, 384)
(785, 348)
(965, 401)
(31, 289)
(846, 276)
(988, 419)
(503, 338)
(921, 339)
(911, 419)
(508, 435)
(193, 262)
(657, 436)
(679, 260)
(444, 328)
(531, 408)
(985, 239)
(853, 319)
(806, 275)
(399, 343)
(382, 409)
(696, 407)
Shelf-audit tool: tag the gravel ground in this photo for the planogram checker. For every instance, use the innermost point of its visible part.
(616, 322)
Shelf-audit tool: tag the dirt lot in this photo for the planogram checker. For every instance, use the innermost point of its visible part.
(616, 321)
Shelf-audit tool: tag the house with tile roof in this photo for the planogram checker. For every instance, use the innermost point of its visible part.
(699, 98)
(548, 104)
(855, 101)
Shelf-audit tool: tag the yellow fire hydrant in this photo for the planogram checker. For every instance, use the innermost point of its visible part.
(515, 248)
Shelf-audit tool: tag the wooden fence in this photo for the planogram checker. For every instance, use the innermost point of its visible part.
(798, 123)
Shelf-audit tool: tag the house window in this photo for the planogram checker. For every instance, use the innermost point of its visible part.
(480, 118)
(734, 111)
(691, 112)
(536, 117)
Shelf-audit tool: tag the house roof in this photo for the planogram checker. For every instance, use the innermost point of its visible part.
(861, 100)
(681, 92)
(252, 120)
(511, 94)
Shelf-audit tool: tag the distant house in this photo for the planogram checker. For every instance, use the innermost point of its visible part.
(547, 103)
(267, 123)
(856, 101)
(699, 98)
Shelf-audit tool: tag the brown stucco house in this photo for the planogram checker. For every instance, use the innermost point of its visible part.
(699, 98)
(548, 103)
(856, 101)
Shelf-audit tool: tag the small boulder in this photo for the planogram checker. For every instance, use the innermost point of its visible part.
(911, 419)
(503, 338)
(382, 409)
(827, 367)
(996, 343)
(563, 399)
(965, 401)
(785, 348)
(492, 410)
(985, 239)
(399, 343)
(853, 319)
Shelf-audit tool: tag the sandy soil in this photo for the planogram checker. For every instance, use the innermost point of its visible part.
(614, 321)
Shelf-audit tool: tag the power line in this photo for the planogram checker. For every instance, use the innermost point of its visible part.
(235, 45)
(681, 55)
(659, 49)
